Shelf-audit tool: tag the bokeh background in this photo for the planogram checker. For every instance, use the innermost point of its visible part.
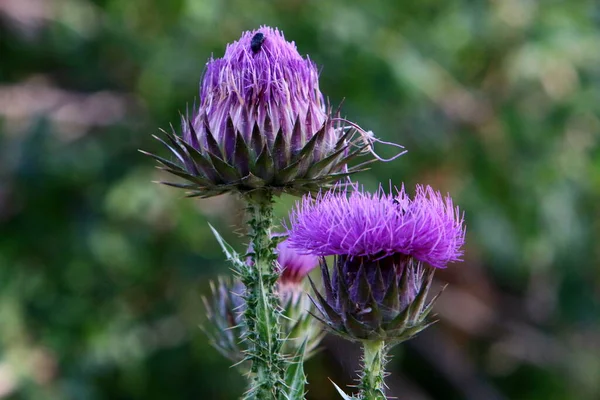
(102, 272)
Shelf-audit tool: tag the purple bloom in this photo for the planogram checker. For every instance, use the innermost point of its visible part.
(262, 123)
(270, 88)
(428, 227)
(293, 266)
(387, 248)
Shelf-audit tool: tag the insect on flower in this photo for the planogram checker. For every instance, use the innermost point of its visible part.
(257, 41)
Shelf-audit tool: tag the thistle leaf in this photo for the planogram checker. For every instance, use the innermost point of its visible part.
(229, 251)
(341, 392)
(295, 378)
(288, 173)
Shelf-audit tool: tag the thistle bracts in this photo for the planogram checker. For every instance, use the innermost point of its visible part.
(380, 300)
(225, 326)
(297, 322)
(262, 123)
(224, 315)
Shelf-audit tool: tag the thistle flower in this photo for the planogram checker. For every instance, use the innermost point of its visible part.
(386, 250)
(224, 313)
(262, 122)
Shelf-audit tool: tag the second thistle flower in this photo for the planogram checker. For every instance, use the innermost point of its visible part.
(386, 250)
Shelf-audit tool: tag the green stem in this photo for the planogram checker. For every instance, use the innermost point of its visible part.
(262, 311)
(372, 386)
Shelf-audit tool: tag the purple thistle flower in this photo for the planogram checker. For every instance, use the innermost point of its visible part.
(293, 266)
(261, 123)
(270, 88)
(428, 227)
(387, 248)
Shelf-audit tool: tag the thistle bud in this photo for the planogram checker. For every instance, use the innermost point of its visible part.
(386, 250)
(262, 122)
(224, 311)
(295, 304)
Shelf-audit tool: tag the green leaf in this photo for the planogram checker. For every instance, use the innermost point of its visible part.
(295, 379)
(230, 253)
(341, 392)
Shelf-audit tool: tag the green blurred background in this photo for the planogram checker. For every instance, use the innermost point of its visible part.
(102, 272)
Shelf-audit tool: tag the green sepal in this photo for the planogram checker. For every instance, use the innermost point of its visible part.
(323, 165)
(199, 161)
(226, 171)
(241, 158)
(211, 143)
(168, 146)
(200, 182)
(280, 151)
(264, 167)
(308, 149)
(166, 163)
(256, 141)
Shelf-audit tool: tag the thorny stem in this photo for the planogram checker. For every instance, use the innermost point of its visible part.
(262, 311)
(372, 386)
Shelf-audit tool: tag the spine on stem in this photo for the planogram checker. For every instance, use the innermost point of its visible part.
(262, 306)
(372, 385)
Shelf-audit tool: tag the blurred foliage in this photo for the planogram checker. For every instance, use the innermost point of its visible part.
(102, 272)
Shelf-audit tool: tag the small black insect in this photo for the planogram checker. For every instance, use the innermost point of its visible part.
(257, 41)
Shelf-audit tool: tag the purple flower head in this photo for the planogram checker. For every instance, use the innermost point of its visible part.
(293, 266)
(427, 228)
(268, 85)
(386, 249)
(262, 123)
